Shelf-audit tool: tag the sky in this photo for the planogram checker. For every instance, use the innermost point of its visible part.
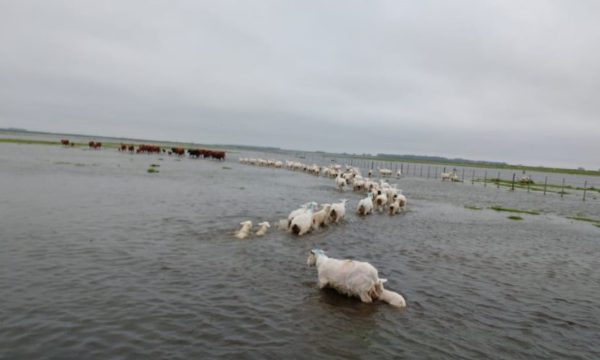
(513, 81)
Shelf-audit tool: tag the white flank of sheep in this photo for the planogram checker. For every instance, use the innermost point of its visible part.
(338, 211)
(365, 206)
(263, 227)
(319, 218)
(244, 231)
(352, 278)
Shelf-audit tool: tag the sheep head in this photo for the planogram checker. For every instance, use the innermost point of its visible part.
(312, 256)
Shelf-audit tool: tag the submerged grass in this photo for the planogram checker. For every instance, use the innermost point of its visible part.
(515, 217)
(595, 222)
(152, 170)
(518, 211)
(473, 207)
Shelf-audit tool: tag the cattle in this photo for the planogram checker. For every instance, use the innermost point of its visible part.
(95, 145)
(65, 142)
(148, 149)
(178, 151)
(194, 153)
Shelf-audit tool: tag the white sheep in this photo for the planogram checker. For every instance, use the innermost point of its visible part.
(381, 200)
(365, 206)
(301, 224)
(338, 211)
(263, 227)
(244, 231)
(340, 182)
(352, 278)
(319, 218)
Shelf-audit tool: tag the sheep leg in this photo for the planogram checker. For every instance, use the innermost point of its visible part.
(364, 297)
(322, 283)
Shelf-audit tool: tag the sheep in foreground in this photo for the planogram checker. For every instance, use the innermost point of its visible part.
(365, 206)
(352, 278)
(320, 217)
(338, 211)
(263, 227)
(244, 231)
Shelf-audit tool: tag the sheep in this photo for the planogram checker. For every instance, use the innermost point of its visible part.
(385, 172)
(399, 173)
(319, 218)
(381, 200)
(340, 182)
(352, 278)
(365, 206)
(301, 224)
(299, 211)
(244, 231)
(338, 211)
(264, 226)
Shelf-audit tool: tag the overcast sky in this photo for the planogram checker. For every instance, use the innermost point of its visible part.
(515, 81)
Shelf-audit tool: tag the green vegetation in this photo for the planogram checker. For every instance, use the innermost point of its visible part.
(152, 170)
(472, 207)
(29, 142)
(154, 165)
(595, 222)
(226, 168)
(514, 217)
(530, 212)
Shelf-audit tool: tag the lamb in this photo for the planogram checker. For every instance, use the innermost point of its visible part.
(365, 206)
(319, 218)
(244, 231)
(264, 226)
(338, 211)
(352, 278)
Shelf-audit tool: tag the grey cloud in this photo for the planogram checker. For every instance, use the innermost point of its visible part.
(475, 79)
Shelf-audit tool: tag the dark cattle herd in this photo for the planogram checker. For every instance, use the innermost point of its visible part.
(155, 149)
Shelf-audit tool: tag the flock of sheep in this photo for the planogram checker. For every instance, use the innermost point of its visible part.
(349, 277)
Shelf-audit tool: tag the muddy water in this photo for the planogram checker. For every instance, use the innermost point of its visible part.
(100, 259)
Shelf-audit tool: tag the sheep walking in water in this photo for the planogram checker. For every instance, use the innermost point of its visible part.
(320, 217)
(263, 228)
(381, 200)
(352, 278)
(365, 206)
(338, 211)
(244, 231)
(340, 182)
(302, 223)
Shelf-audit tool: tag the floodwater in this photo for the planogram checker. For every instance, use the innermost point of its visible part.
(100, 259)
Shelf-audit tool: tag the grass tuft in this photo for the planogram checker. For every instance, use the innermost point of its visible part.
(530, 212)
(152, 170)
(473, 207)
(515, 217)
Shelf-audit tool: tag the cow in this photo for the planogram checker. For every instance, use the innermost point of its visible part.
(65, 142)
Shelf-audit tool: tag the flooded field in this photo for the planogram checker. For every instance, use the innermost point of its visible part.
(101, 259)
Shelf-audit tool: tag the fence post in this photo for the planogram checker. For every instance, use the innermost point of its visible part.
(371, 164)
(407, 169)
(513, 182)
(428, 168)
(421, 172)
(528, 185)
(545, 184)
(435, 176)
(473, 177)
(485, 179)
(562, 189)
(463, 176)
(584, 189)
